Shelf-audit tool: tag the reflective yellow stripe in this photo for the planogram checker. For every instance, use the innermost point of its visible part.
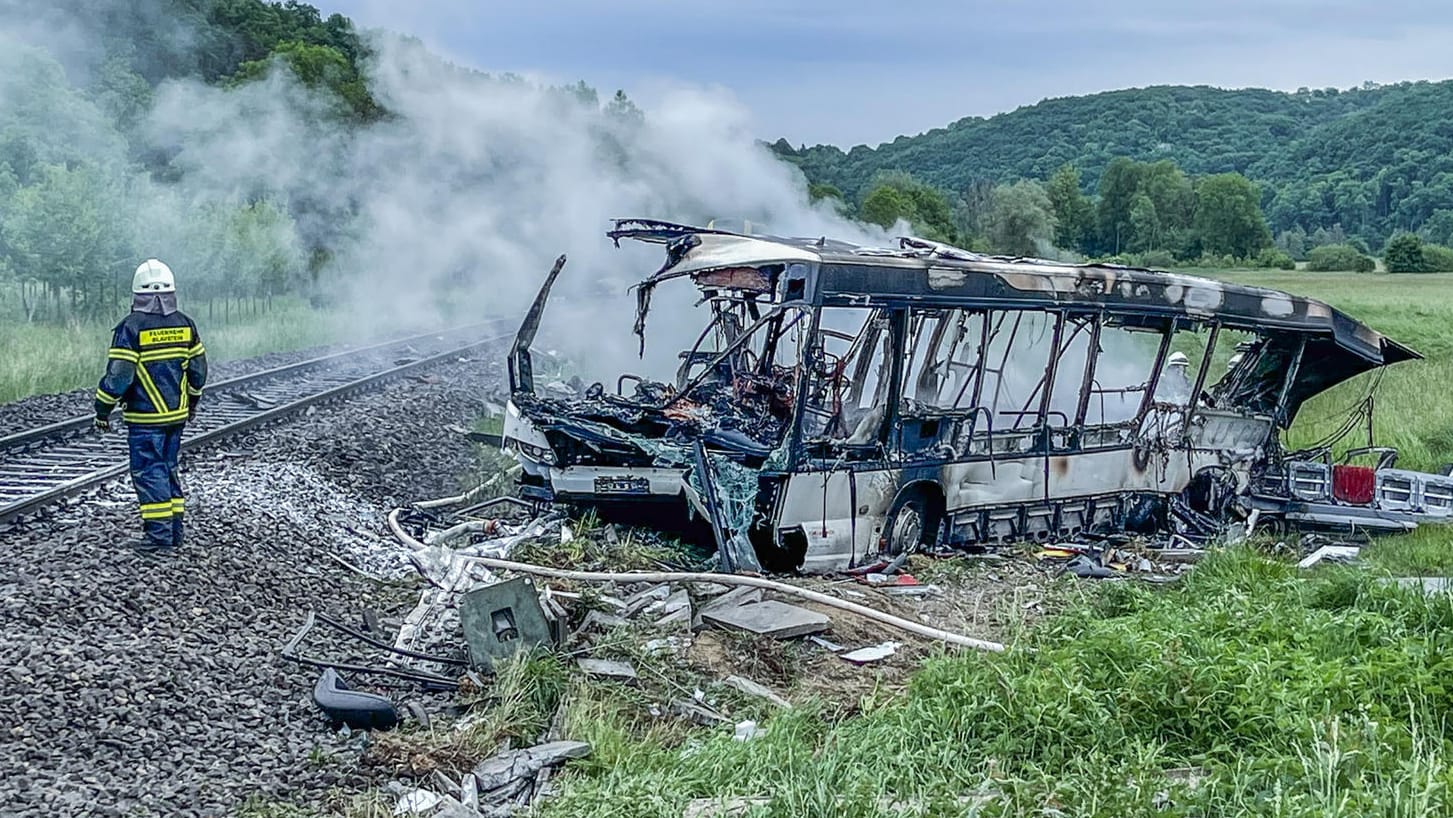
(154, 418)
(152, 393)
(164, 355)
(194, 391)
(179, 505)
(157, 511)
(122, 354)
(105, 398)
(196, 350)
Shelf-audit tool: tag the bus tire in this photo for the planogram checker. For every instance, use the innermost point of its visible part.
(911, 524)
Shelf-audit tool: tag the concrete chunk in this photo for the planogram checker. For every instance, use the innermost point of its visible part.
(644, 599)
(770, 618)
(742, 595)
(507, 768)
(607, 668)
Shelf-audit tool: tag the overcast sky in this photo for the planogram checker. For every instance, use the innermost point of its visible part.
(850, 72)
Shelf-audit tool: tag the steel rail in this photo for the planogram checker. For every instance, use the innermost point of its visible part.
(25, 488)
(82, 423)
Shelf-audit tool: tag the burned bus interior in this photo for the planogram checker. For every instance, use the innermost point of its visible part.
(843, 402)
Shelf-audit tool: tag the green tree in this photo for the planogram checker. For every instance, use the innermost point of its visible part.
(1437, 258)
(622, 110)
(1118, 186)
(1021, 219)
(1144, 224)
(817, 192)
(318, 67)
(1438, 229)
(1074, 215)
(1404, 254)
(64, 233)
(898, 195)
(1228, 218)
(884, 206)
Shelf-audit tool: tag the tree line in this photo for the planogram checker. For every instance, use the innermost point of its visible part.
(1146, 213)
(1367, 163)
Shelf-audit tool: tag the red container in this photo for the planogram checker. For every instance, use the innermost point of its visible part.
(1354, 484)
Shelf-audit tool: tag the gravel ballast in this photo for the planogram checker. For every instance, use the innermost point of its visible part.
(153, 685)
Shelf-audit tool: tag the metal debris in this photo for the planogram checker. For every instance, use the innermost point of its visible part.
(1333, 553)
(502, 619)
(872, 653)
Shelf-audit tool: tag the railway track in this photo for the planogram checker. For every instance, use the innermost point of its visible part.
(41, 465)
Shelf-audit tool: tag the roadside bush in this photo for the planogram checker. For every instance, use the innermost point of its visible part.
(1214, 261)
(1437, 258)
(1274, 259)
(1338, 258)
(1404, 254)
(1156, 259)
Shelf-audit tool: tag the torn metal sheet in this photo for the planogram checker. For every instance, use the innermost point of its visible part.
(503, 619)
(843, 404)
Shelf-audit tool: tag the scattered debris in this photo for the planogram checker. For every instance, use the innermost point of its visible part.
(1428, 585)
(747, 730)
(513, 767)
(417, 802)
(751, 688)
(607, 668)
(502, 619)
(874, 653)
(1334, 553)
(823, 643)
(358, 710)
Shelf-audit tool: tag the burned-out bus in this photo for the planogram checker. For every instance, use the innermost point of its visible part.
(844, 403)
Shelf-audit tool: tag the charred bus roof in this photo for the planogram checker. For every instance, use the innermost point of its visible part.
(838, 273)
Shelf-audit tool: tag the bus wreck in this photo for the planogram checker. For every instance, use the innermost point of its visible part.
(844, 404)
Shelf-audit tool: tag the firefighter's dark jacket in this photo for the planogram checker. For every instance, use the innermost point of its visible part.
(156, 368)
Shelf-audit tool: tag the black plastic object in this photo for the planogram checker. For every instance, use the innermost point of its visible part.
(358, 710)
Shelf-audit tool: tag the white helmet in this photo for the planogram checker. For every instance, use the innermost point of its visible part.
(153, 277)
(1233, 361)
(1178, 359)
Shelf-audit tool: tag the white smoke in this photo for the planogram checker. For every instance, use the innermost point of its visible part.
(457, 203)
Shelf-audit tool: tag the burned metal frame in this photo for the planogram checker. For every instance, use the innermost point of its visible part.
(1046, 464)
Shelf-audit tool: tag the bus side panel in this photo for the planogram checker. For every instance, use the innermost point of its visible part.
(821, 504)
(1116, 471)
(1003, 481)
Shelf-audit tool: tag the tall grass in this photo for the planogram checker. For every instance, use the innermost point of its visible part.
(1247, 690)
(42, 357)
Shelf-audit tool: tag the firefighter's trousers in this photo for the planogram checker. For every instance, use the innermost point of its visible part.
(154, 451)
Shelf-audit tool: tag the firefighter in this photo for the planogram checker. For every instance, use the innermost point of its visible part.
(156, 369)
(1175, 380)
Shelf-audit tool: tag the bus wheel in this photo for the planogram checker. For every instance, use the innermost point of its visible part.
(910, 525)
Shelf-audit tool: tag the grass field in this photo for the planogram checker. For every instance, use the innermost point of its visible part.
(45, 357)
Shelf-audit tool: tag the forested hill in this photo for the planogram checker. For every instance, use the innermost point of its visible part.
(1375, 160)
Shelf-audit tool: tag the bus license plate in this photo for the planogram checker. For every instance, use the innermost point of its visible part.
(622, 485)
